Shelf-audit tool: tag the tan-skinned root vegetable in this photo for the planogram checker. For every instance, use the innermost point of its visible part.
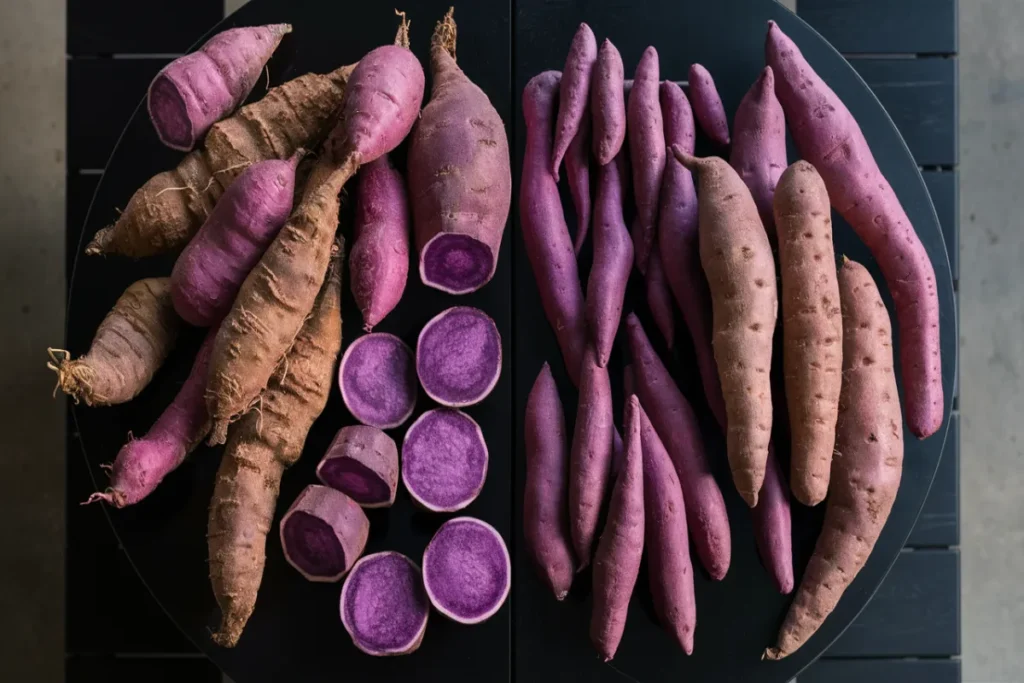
(647, 153)
(707, 105)
(828, 136)
(574, 94)
(676, 424)
(377, 377)
(617, 563)
(170, 207)
(577, 168)
(659, 298)
(260, 447)
(590, 456)
(380, 254)
(812, 327)
(458, 356)
(198, 89)
(608, 104)
(666, 539)
(613, 260)
(142, 464)
(362, 463)
(460, 177)
(740, 267)
(323, 533)
(467, 570)
(381, 105)
(759, 145)
(545, 496)
(384, 606)
(130, 345)
(444, 460)
(868, 465)
(545, 232)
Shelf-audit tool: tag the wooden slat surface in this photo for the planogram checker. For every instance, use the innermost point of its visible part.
(944, 187)
(882, 671)
(884, 26)
(150, 27)
(939, 524)
(138, 670)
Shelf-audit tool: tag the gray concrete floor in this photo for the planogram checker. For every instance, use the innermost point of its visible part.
(32, 73)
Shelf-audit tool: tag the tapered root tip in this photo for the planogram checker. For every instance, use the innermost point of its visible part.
(691, 162)
(110, 497)
(402, 37)
(229, 633)
(99, 242)
(218, 433)
(560, 596)
(446, 33)
(772, 654)
(749, 497)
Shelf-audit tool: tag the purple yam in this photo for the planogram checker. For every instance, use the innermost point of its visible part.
(362, 462)
(323, 533)
(444, 460)
(378, 380)
(384, 606)
(195, 91)
(466, 570)
(707, 105)
(458, 356)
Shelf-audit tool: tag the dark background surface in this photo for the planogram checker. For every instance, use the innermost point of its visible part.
(115, 629)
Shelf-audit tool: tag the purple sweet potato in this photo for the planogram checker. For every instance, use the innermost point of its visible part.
(707, 105)
(458, 356)
(773, 525)
(613, 260)
(210, 271)
(323, 533)
(607, 104)
(574, 94)
(676, 424)
(467, 570)
(545, 499)
(647, 153)
(759, 145)
(444, 460)
(362, 463)
(460, 177)
(142, 464)
(659, 298)
(195, 91)
(544, 229)
(591, 455)
(377, 377)
(380, 254)
(665, 535)
(384, 606)
(577, 168)
(828, 137)
(617, 563)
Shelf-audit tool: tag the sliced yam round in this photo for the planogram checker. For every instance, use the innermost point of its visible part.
(378, 380)
(323, 533)
(466, 570)
(444, 460)
(384, 606)
(458, 356)
(362, 463)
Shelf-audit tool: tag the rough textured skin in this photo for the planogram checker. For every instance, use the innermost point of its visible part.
(577, 168)
(740, 268)
(380, 254)
(574, 95)
(828, 137)
(678, 243)
(759, 145)
(867, 467)
(773, 525)
(362, 463)
(812, 327)
(676, 424)
(467, 570)
(460, 176)
(613, 261)
(209, 272)
(195, 91)
(545, 496)
(169, 209)
(384, 607)
(458, 356)
(591, 456)
(665, 535)
(377, 377)
(444, 460)
(647, 153)
(617, 562)
(260, 447)
(142, 464)
(544, 229)
(608, 104)
(659, 298)
(323, 533)
(130, 345)
(707, 105)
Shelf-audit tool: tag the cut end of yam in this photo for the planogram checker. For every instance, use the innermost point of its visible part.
(384, 606)
(323, 533)
(456, 264)
(170, 115)
(377, 377)
(362, 462)
(444, 460)
(458, 356)
(467, 570)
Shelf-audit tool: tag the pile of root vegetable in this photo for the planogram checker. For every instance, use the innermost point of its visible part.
(253, 210)
(718, 243)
